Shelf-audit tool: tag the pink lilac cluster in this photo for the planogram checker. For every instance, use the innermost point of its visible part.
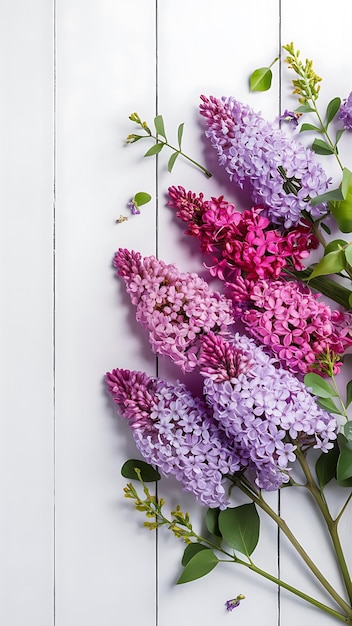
(291, 321)
(246, 241)
(282, 173)
(174, 431)
(263, 409)
(177, 308)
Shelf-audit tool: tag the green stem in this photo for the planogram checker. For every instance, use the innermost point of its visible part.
(338, 517)
(332, 524)
(166, 143)
(325, 132)
(295, 543)
(344, 618)
(333, 382)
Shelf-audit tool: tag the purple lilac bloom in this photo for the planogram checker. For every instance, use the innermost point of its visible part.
(282, 173)
(262, 408)
(290, 116)
(134, 208)
(174, 431)
(177, 308)
(345, 113)
(234, 602)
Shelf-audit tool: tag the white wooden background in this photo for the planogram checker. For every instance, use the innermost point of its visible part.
(72, 550)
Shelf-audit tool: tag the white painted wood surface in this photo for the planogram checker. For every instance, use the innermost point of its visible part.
(72, 550)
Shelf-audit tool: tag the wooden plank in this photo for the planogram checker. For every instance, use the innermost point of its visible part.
(26, 314)
(106, 70)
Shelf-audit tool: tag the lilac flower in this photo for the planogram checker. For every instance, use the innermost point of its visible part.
(290, 116)
(177, 308)
(345, 113)
(264, 410)
(134, 208)
(291, 322)
(282, 173)
(174, 431)
(234, 602)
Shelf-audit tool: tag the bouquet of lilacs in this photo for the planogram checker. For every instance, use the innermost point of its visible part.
(266, 349)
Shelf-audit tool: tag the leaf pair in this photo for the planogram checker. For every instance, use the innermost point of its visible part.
(157, 148)
(238, 527)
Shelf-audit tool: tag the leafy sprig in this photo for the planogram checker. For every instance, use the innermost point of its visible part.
(232, 532)
(161, 141)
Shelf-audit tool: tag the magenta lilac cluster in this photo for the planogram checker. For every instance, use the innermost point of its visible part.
(292, 322)
(282, 173)
(174, 431)
(244, 242)
(177, 308)
(345, 113)
(263, 409)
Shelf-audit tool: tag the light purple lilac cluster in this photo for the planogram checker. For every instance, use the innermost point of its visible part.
(177, 308)
(345, 113)
(263, 409)
(282, 173)
(174, 431)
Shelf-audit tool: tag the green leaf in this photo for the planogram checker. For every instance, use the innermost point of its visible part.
(154, 149)
(172, 160)
(325, 466)
(339, 134)
(325, 227)
(336, 244)
(329, 196)
(200, 564)
(319, 386)
(260, 79)
(349, 393)
(148, 473)
(347, 429)
(321, 147)
(332, 263)
(239, 527)
(344, 464)
(331, 110)
(329, 405)
(304, 108)
(342, 208)
(180, 134)
(348, 254)
(212, 521)
(350, 301)
(141, 198)
(190, 551)
(159, 126)
(309, 127)
(342, 212)
(346, 182)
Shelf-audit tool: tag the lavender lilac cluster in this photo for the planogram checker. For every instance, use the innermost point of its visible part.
(263, 409)
(282, 173)
(174, 431)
